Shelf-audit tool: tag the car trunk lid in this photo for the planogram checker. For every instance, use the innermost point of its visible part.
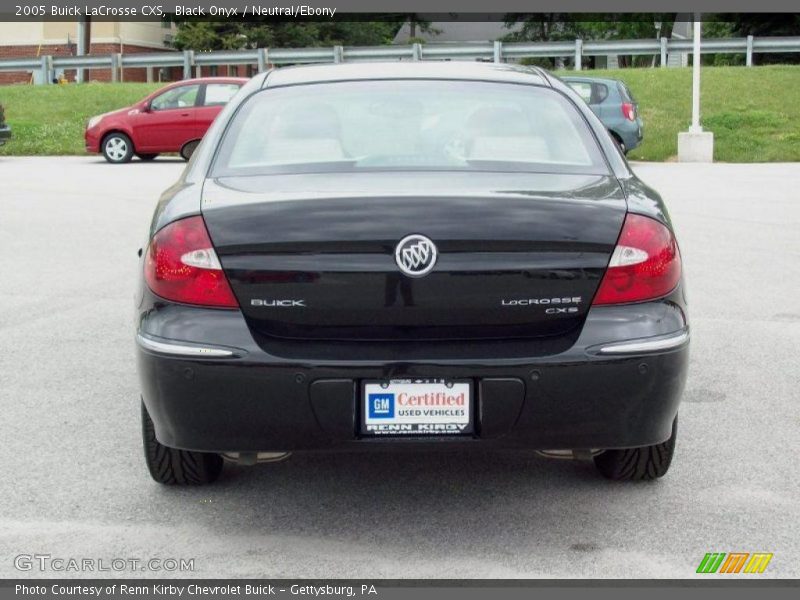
(313, 256)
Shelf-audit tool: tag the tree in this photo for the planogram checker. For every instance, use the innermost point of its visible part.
(767, 25)
(549, 27)
(555, 27)
(742, 25)
(232, 35)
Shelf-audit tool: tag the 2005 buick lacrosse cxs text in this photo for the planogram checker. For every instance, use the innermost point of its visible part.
(350, 237)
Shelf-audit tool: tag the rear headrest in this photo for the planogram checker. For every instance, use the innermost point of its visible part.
(498, 121)
(317, 120)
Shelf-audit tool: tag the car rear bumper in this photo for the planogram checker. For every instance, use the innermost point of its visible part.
(631, 133)
(209, 386)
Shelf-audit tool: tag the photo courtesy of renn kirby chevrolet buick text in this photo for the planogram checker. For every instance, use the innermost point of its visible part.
(409, 256)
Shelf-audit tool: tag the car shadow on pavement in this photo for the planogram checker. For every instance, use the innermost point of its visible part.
(161, 160)
(397, 498)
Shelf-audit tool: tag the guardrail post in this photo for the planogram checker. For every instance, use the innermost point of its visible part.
(498, 51)
(149, 71)
(47, 69)
(671, 51)
(188, 59)
(114, 67)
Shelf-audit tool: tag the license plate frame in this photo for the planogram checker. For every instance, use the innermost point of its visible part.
(429, 426)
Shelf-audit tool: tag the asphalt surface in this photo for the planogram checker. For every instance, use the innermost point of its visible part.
(74, 484)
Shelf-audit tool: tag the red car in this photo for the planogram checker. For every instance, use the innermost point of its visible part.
(172, 119)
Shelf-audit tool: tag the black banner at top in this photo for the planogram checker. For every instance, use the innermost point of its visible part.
(144, 10)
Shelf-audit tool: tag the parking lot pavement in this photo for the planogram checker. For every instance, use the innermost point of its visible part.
(75, 484)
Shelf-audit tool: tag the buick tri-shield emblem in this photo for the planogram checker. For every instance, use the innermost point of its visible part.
(415, 255)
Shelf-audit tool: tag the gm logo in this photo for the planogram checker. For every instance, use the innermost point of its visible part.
(381, 406)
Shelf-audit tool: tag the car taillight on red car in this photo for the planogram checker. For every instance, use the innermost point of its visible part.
(646, 263)
(629, 111)
(181, 265)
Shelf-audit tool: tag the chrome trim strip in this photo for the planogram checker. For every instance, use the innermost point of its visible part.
(645, 345)
(181, 349)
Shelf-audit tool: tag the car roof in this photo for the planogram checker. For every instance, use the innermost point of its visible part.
(476, 71)
(197, 81)
(211, 80)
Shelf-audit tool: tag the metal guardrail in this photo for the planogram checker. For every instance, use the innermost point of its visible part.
(493, 51)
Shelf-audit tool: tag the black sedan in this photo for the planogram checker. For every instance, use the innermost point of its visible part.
(409, 257)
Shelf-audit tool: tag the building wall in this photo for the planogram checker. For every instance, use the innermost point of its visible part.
(25, 40)
(225, 71)
(146, 34)
(15, 34)
(154, 34)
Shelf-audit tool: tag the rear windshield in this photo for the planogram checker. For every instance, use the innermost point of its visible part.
(590, 91)
(627, 96)
(407, 124)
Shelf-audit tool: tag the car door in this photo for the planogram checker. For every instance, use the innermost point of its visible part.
(168, 121)
(214, 97)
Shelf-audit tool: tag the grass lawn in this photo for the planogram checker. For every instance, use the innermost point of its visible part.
(754, 113)
(50, 119)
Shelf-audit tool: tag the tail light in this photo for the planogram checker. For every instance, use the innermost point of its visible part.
(629, 111)
(646, 263)
(181, 266)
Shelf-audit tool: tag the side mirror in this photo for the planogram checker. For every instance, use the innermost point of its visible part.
(146, 107)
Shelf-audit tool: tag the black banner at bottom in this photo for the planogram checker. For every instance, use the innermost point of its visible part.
(382, 589)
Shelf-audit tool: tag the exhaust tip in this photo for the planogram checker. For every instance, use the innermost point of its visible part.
(574, 454)
(252, 458)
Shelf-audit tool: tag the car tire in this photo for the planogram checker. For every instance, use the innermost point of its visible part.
(638, 464)
(620, 143)
(177, 467)
(147, 157)
(117, 148)
(189, 148)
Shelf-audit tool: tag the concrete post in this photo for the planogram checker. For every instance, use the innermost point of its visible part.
(663, 52)
(47, 69)
(81, 50)
(578, 54)
(338, 54)
(188, 59)
(498, 51)
(696, 60)
(416, 51)
(696, 145)
(749, 59)
(115, 60)
(263, 59)
(149, 71)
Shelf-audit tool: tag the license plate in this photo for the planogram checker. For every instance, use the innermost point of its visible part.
(416, 407)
